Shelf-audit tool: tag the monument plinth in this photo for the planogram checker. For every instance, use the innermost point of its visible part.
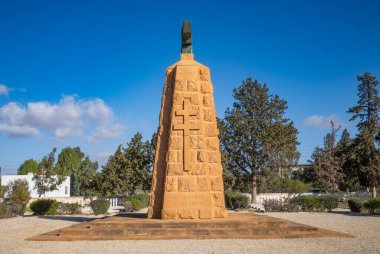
(187, 178)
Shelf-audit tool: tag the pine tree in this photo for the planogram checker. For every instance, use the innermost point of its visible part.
(111, 181)
(368, 105)
(345, 153)
(328, 164)
(138, 163)
(128, 170)
(368, 159)
(367, 111)
(255, 133)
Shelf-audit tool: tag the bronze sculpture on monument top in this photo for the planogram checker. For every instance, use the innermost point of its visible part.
(187, 40)
(187, 176)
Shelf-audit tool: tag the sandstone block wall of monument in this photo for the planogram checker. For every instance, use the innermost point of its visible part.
(187, 178)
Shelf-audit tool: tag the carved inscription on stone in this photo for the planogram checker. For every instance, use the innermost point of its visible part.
(187, 200)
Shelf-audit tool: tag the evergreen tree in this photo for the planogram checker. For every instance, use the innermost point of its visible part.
(151, 149)
(138, 162)
(80, 168)
(111, 181)
(69, 159)
(256, 134)
(344, 152)
(368, 160)
(367, 111)
(28, 166)
(328, 164)
(47, 176)
(368, 105)
(129, 169)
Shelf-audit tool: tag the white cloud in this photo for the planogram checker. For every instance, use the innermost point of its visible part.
(92, 119)
(4, 90)
(323, 122)
(106, 132)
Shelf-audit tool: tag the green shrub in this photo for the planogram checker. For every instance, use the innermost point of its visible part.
(100, 206)
(294, 186)
(5, 211)
(329, 202)
(274, 205)
(18, 208)
(236, 200)
(372, 204)
(137, 202)
(273, 183)
(307, 203)
(44, 207)
(3, 190)
(356, 205)
(128, 206)
(68, 208)
(18, 191)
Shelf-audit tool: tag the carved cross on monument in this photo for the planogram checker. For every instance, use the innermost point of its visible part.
(186, 127)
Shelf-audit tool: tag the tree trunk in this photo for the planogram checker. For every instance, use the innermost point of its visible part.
(374, 191)
(254, 190)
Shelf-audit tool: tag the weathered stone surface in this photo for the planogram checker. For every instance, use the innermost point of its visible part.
(204, 183)
(236, 226)
(187, 184)
(187, 178)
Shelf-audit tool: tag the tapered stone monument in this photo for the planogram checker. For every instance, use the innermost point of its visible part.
(187, 177)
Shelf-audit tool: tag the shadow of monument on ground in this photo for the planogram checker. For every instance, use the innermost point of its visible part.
(70, 218)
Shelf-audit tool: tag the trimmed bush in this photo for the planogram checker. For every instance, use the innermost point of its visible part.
(5, 211)
(236, 200)
(128, 206)
(274, 205)
(329, 202)
(136, 202)
(18, 208)
(307, 203)
(372, 204)
(356, 205)
(68, 208)
(44, 207)
(100, 206)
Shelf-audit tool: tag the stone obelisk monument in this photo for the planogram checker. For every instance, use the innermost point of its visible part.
(187, 178)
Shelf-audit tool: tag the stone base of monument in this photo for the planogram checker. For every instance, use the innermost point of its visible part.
(137, 227)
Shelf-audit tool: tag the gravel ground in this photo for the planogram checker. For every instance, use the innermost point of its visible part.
(366, 230)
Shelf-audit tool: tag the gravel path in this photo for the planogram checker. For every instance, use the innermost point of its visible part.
(366, 230)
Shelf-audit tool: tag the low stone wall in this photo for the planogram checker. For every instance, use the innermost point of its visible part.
(275, 196)
(116, 203)
(83, 201)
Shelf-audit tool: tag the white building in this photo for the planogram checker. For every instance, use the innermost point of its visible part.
(63, 189)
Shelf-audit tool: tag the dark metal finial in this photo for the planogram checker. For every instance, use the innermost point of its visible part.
(187, 42)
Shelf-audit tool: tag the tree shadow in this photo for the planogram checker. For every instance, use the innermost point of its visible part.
(348, 213)
(132, 215)
(70, 218)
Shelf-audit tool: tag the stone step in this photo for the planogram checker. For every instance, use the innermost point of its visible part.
(179, 233)
(235, 227)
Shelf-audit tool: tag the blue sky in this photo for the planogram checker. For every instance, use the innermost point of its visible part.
(90, 73)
